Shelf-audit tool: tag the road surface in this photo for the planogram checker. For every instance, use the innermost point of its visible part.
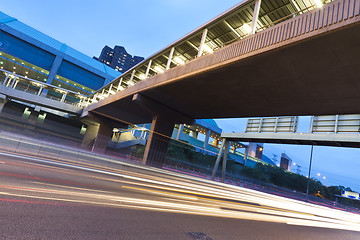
(59, 199)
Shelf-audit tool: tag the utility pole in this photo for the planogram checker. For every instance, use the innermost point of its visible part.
(308, 183)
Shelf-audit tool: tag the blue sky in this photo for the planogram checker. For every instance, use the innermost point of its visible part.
(144, 27)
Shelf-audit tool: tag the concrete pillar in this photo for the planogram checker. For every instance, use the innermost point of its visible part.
(90, 134)
(6, 78)
(119, 86)
(180, 131)
(206, 142)
(148, 69)
(202, 43)
(246, 155)
(170, 58)
(158, 141)
(103, 138)
(3, 100)
(54, 69)
(195, 134)
(217, 161)
(226, 151)
(99, 132)
(132, 76)
(255, 16)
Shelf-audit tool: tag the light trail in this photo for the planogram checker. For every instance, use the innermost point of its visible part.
(160, 190)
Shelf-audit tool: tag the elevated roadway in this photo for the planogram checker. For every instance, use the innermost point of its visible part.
(306, 65)
(321, 139)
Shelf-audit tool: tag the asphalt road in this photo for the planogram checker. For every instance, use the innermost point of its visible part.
(42, 199)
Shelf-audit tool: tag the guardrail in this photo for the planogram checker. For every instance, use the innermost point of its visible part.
(35, 87)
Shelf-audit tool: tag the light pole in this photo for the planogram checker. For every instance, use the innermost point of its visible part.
(308, 183)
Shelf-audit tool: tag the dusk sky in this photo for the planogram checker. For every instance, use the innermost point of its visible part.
(143, 28)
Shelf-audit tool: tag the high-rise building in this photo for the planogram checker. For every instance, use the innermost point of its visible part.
(285, 162)
(118, 58)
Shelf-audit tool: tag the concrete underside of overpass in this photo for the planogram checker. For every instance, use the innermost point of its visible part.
(314, 76)
(303, 66)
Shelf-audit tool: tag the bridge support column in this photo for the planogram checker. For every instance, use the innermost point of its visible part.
(206, 142)
(163, 123)
(180, 131)
(103, 138)
(246, 155)
(3, 100)
(90, 134)
(225, 144)
(158, 141)
(99, 132)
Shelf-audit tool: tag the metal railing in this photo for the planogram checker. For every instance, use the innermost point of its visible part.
(36, 87)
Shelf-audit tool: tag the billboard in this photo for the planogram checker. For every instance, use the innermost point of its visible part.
(352, 195)
(272, 124)
(335, 124)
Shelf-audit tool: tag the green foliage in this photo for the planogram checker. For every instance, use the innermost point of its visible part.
(185, 153)
(182, 152)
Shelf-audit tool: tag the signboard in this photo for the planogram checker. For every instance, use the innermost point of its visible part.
(352, 195)
(336, 124)
(272, 124)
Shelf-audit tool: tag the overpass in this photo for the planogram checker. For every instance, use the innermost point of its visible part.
(320, 139)
(17, 87)
(299, 60)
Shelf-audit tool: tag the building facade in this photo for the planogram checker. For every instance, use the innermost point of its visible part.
(118, 58)
(27, 52)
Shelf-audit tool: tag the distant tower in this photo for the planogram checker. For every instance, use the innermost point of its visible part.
(275, 159)
(256, 150)
(118, 58)
(285, 162)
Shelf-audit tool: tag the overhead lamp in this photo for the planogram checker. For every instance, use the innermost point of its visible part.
(247, 28)
(208, 49)
(318, 3)
(142, 76)
(178, 60)
(36, 84)
(159, 69)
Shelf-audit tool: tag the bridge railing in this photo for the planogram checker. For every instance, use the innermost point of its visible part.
(25, 84)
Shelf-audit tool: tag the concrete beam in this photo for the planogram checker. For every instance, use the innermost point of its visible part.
(321, 139)
(157, 108)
